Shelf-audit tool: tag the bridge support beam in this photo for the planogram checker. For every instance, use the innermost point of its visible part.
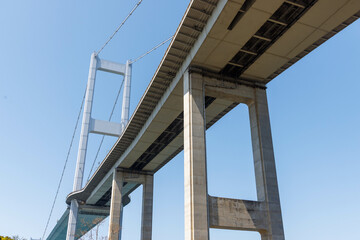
(120, 176)
(203, 211)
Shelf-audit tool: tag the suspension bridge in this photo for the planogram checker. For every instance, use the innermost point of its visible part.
(223, 54)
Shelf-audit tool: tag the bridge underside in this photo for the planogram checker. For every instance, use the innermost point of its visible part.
(88, 218)
(236, 42)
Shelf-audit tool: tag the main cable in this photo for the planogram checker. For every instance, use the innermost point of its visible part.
(122, 23)
(102, 139)
(66, 161)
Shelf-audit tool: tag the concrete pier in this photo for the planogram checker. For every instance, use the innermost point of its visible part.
(203, 211)
(120, 176)
(115, 223)
(264, 164)
(147, 208)
(196, 205)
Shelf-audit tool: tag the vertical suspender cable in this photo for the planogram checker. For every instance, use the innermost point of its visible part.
(66, 161)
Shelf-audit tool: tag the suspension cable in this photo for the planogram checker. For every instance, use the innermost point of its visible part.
(102, 139)
(153, 49)
(66, 161)
(122, 23)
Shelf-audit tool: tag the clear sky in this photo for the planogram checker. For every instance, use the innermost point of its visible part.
(46, 47)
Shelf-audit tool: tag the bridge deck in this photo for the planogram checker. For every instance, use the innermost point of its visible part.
(248, 42)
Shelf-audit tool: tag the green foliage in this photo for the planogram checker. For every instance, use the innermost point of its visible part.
(11, 238)
(5, 238)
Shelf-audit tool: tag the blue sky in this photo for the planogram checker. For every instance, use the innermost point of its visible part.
(46, 48)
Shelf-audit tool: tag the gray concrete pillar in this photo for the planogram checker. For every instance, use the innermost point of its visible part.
(115, 218)
(147, 208)
(195, 177)
(264, 162)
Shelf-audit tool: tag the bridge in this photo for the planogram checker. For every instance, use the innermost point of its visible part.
(223, 54)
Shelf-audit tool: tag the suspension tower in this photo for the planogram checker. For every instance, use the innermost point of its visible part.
(91, 125)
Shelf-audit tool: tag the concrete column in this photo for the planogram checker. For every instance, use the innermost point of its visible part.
(264, 162)
(115, 218)
(195, 179)
(147, 208)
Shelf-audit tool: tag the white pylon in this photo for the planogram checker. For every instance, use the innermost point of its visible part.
(90, 125)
